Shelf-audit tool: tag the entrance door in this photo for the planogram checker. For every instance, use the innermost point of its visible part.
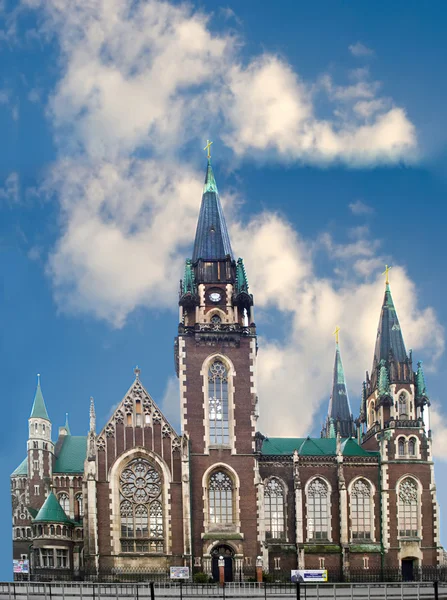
(228, 555)
(407, 569)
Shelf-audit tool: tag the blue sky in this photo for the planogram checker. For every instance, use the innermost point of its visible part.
(329, 152)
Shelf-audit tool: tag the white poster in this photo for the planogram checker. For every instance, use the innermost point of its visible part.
(309, 575)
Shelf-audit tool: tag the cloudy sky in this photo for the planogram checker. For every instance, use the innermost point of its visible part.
(329, 151)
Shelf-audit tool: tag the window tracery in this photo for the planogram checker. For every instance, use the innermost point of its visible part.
(141, 508)
(403, 406)
(218, 403)
(361, 510)
(408, 508)
(318, 510)
(274, 509)
(220, 498)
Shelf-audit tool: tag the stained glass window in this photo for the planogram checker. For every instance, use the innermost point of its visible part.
(220, 498)
(408, 508)
(218, 403)
(360, 505)
(317, 510)
(274, 509)
(141, 508)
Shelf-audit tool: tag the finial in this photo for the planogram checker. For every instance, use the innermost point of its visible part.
(38, 378)
(387, 270)
(336, 332)
(137, 372)
(207, 148)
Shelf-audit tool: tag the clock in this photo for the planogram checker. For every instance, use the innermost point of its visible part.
(215, 296)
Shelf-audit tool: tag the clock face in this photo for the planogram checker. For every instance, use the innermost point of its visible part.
(215, 296)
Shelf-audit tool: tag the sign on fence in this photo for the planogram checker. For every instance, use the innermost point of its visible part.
(21, 566)
(315, 575)
(179, 572)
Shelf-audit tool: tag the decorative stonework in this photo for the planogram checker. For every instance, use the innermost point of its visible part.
(101, 444)
(110, 430)
(119, 417)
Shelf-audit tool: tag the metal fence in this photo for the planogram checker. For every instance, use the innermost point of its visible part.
(266, 591)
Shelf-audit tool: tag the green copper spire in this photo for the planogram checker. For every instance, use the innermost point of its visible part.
(421, 388)
(189, 283)
(389, 335)
(339, 408)
(51, 512)
(210, 184)
(384, 382)
(241, 277)
(332, 433)
(39, 409)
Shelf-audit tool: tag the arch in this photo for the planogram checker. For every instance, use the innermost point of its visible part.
(210, 523)
(401, 446)
(79, 505)
(218, 312)
(361, 504)
(412, 446)
(64, 501)
(318, 493)
(218, 401)
(402, 406)
(275, 518)
(115, 472)
(408, 492)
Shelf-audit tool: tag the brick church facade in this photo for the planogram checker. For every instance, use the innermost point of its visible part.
(135, 494)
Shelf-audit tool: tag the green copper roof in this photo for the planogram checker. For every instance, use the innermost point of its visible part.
(39, 409)
(212, 241)
(389, 334)
(22, 469)
(51, 512)
(311, 447)
(71, 456)
(241, 277)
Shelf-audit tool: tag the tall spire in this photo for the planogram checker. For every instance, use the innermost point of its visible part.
(389, 335)
(39, 409)
(67, 426)
(339, 408)
(212, 241)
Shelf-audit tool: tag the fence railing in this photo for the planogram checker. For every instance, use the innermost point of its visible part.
(267, 591)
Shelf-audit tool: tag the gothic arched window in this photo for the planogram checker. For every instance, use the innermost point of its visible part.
(403, 406)
(361, 509)
(220, 498)
(401, 446)
(218, 403)
(64, 502)
(318, 514)
(274, 509)
(141, 509)
(412, 447)
(79, 503)
(408, 508)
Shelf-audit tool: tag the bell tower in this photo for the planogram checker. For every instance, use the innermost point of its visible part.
(216, 352)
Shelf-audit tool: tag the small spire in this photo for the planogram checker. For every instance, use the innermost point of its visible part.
(39, 410)
(339, 412)
(67, 426)
(384, 382)
(92, 415)
(137, 372)
(241, 277)
(421, 388)
(189, 282)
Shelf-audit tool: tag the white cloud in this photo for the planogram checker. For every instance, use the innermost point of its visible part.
(170, 404)
(360, 50)
(10, 191)
(360, 208)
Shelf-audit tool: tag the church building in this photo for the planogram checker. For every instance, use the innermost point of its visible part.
(134, 494)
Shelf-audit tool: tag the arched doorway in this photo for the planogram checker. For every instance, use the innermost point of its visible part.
(228, 556)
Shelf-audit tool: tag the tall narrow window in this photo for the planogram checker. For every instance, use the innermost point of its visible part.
(403, 406)
(401, 446)
(361, 510)
(408, 508)
(141, 508)
(317, 510)
(79, 505)
(220, 498)
(218, 403)
(64, 502)
(412, 447)
(274, 509)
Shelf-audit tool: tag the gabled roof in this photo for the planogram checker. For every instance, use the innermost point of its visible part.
(212, 241)
(389, 334)
(312, 447)
(51, 512)
(22, 469)
(72, 454)
(39, 409)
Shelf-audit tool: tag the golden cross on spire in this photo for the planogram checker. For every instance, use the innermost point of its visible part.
(387, 270)
(207, 147)
(336, 332)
